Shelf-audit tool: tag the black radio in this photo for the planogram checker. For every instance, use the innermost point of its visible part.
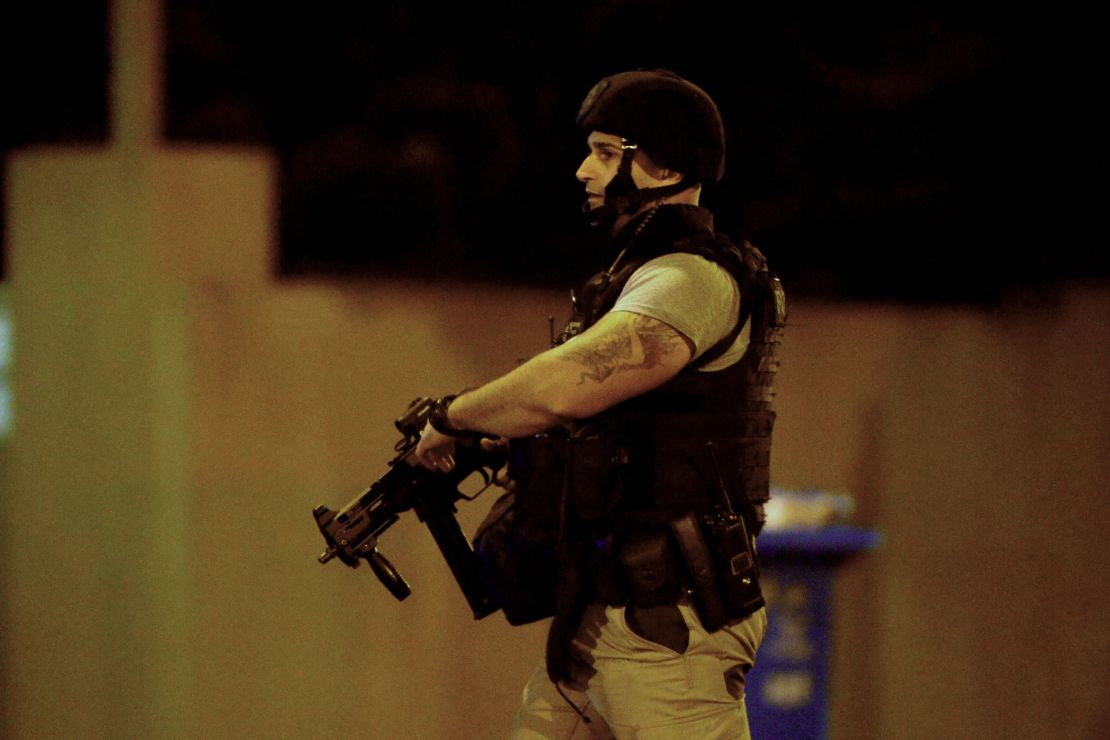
(735, 561)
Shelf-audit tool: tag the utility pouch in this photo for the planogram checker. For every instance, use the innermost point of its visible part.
(517, 561)
(583, 474)
(650, 569)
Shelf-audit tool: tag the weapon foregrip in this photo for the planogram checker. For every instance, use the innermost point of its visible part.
(389, 576)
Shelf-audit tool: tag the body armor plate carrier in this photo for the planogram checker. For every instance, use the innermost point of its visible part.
(600, 492)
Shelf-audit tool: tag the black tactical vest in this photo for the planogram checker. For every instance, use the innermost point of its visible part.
(685, 446)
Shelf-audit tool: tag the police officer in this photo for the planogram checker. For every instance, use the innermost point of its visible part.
(640, 443)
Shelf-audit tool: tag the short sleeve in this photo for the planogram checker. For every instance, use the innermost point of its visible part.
(696, 296)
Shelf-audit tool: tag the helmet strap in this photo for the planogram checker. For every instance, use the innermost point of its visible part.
(622, 197)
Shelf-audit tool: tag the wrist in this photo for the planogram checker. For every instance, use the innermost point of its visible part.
(439, 420)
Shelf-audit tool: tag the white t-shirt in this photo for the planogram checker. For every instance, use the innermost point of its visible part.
(695, 296)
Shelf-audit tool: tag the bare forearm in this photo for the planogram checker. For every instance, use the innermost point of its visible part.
(515, 405)
(623, 356)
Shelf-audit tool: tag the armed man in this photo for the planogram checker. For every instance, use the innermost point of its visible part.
(639, 446)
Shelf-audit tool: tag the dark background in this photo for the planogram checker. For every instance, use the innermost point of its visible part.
(921, 154)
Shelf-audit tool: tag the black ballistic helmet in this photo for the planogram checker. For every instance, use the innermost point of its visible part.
(673, 120)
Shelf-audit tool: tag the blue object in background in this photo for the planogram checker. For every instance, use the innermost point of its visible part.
(787, 692)
(5, 361)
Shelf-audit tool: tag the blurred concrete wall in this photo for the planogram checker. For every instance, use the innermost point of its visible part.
(979, 443)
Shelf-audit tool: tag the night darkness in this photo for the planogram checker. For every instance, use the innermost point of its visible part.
(928, 154)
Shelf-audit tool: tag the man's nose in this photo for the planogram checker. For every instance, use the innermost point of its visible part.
(584, 174)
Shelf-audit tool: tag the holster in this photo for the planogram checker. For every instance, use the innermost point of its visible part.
(699, 566)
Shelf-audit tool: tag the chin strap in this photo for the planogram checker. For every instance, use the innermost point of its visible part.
(622, 197)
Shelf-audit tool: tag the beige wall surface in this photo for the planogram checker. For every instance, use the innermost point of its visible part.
(300, 394)
(178, 414)
(978, 442)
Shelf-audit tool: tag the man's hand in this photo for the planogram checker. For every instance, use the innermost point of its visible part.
(501, 477)
(435, 451)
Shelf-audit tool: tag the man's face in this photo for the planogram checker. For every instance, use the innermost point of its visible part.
(600, 166)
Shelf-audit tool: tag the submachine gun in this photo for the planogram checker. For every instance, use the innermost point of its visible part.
(352, 532)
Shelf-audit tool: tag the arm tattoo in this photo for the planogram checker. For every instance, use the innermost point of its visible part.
(613, 353)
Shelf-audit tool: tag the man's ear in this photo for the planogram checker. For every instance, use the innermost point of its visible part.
(663, 174)
(670, 176)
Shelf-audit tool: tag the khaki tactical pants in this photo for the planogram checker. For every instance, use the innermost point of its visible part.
(636, 689)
